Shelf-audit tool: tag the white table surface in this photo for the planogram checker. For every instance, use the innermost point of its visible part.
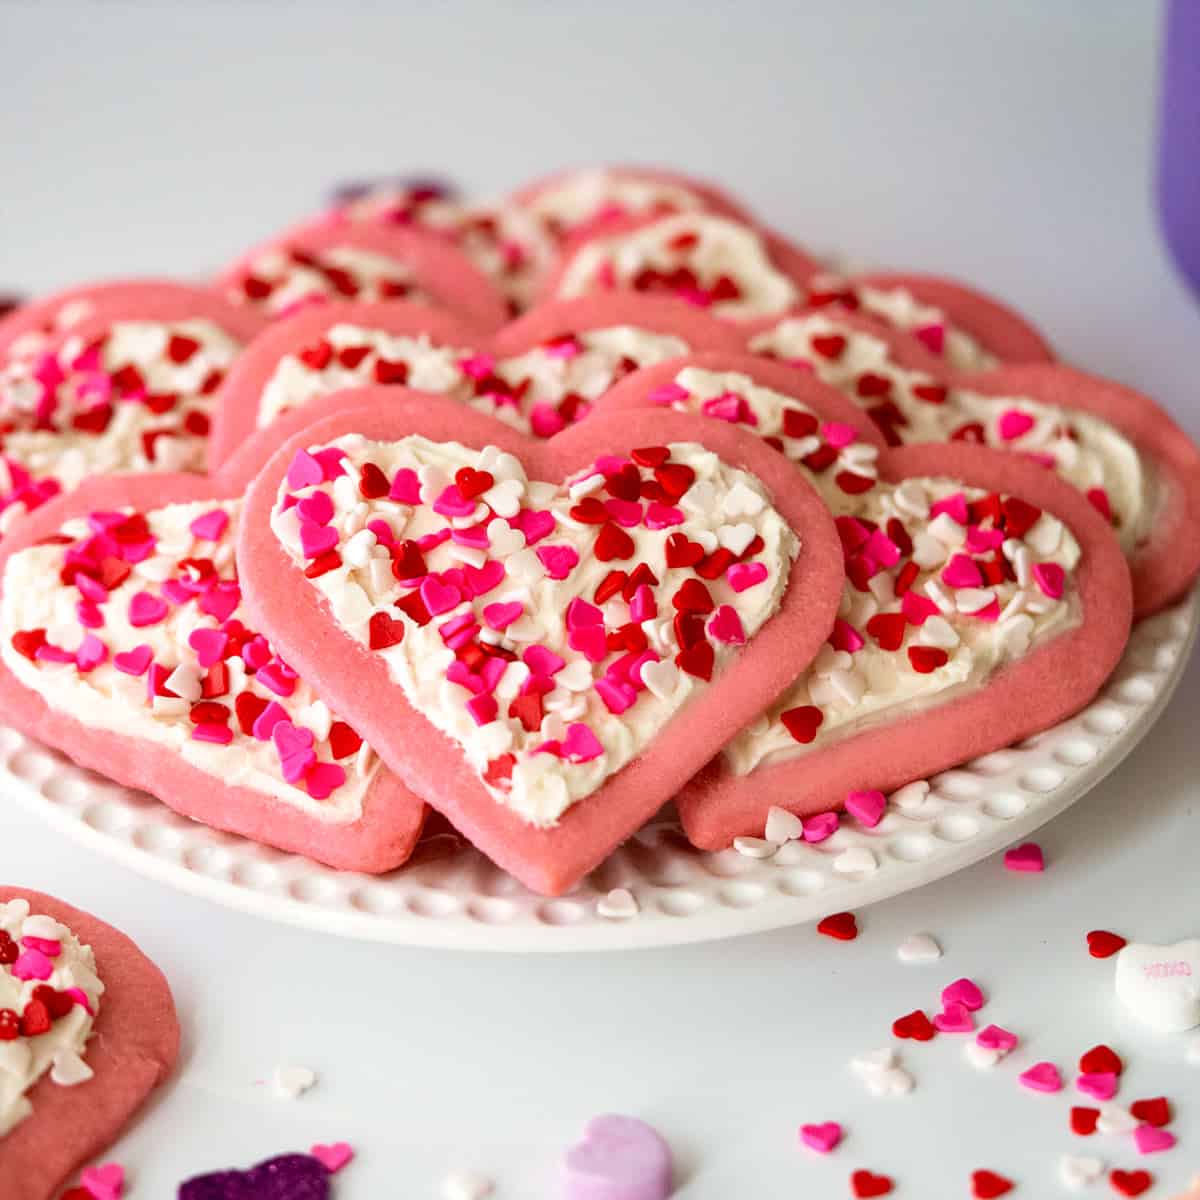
(1012, 145)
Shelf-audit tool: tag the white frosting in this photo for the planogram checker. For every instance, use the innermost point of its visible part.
(52, 448)
(722, 249)
(545, 375)
(107, 698)
(899, 307)
(1084, 449)
(60, 1050)
(34, 341)
(856, 689)
(368, 276)
(721, 505)
(583, 195)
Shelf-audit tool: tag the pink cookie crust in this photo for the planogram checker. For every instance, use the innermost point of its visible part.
(134, 1043)
(381, 839)
(437, 265)
(785, 256)
(1046, 686)
(357, 682)
(236, 415)
(713, 199)
(998, 328)
(129, 300)
(235, 419)
(1167, 564)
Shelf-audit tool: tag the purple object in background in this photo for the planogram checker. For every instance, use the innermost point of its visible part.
(1179, 138)
(288, 1177)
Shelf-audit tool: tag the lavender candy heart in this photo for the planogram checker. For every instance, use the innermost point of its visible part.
(288, 1177)
(618, 1158)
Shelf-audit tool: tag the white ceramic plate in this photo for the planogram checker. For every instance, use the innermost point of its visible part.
(453, 897)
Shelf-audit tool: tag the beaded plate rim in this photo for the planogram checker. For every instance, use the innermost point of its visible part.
(451, 897)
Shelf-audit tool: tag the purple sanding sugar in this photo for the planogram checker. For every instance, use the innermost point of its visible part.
(288, 1177)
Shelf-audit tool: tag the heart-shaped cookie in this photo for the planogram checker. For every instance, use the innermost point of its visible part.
(735, 270)
(80, 1003)
(125, 644)
(545, 639)
(1135, 465)
(617, 1158)
(1160, 985)
(537, 374)
(964, 328)
(333, 259)
(285, 1177)
(128, 387)
(985, 601)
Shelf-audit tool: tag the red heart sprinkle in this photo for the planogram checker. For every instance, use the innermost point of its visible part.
(915, 1026)
(675, 478)
(35, 1019)
(799, 423)
(869, 384)
(388, 372)
(1131, 1183)
(77, 1193)
(10, 1025)
(803, 722)
(852, 484)
(971, 432)
(248, 708)
(828, 345)
(888, 629)
(9, 951)
(866, 1184)
(1102, 944)
(343, 741)
(351, 356)
(841, 925)
(986, 1185)
(926, 659)
(317, 357)
(1101, 1060)
(609, 586)
(681, 552)
(372, 482)
(589, 511)
(181, 348)
(58, 1004)
(692, 596)
(931, 393)
(28, 642)
(1156, 1112)
(696, 660)
(384, 631)
(1083, 1121)
(650, 456)
(472, 483)
(613, 542)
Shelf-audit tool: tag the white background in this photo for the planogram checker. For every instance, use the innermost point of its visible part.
(1010, 143)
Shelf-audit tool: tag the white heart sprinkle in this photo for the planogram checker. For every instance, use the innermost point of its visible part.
(919, 948)
(1115, 1119)
(752, 847)
(982, 1057)
(782, 826)
(466, 1185)
(290, 1082)
(911, 797)
(894, 1082)
(661, 678)
(735, 538)
(619, 905)
(1079, 1173)
(69, 1069)
(855, 860)
(871, 1061)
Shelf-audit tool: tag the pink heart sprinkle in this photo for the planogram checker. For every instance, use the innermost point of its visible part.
(965, 992)
(146, 609)
(642, 607)
(210, 525)
(323, 779)
(1151, 1140)
(954, 506)
(501, 616)
(317, 508)
(844, 635)
(1026, 857)
(305, 471)
(993, 1037)
(838, 434)
(662, 516)
(559, 561)
(437, 596)
(822, 1138)
(962, 571)
(91, 653)
(209, 645)
(866, 807)
(545, 420)
(316, 539)
(294, 747)
(406, 487)
(334, 1157)
(32, 964)
(1051, 578)
(452, 503)
(580, 613)
(954, 1019)
(105, 1182)
(267, 720)
(1042, 1077)
(668, 393)
(745, 575)
(590, 641)
(1013, 423)
(917, 609)
(1101, 1085)
(581, 744)
(820, 827)
(726, 626)
(933, 337)
(481, 580)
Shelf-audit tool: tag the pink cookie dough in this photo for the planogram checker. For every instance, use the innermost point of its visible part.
(1165, 566)
(237, 408)
(440, 271)
(358, 683)
(134, 1043)
(381, 838)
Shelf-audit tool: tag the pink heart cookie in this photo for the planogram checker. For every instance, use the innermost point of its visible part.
(736, 270)
(807, 753)
(578, 558)
(538, 374)
(132, 1048)
(1115, 445)
(163, 682)
(332, 259)
(618, 1158)
(127, 384)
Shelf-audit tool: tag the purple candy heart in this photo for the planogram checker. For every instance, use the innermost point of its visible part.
(618, 1158)
(288, 1177)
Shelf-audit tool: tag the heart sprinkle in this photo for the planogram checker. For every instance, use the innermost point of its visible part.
(841, 926)
(1042, 1077)
(866, 1184)
(1102, 944)
(1131, 1183)
(332, 1157)
(618, 1158)
(1027, 858)
(617, 905)
(986, 1185)
(822, 1138)
(919, 948)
